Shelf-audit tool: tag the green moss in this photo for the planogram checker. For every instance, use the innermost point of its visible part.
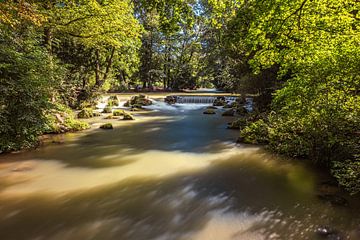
(75, 125)
(113, 101)
(138, 101)
(107, 110)
(209, 111)
(62, 119)
(85, 113)
(119, 113)
(128, 116)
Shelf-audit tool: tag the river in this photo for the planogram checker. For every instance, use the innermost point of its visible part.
(173, 174)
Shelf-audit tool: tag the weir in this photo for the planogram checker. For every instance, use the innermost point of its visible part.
(201, 99)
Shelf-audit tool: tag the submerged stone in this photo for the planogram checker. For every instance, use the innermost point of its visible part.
(209, 111)
(107, 126)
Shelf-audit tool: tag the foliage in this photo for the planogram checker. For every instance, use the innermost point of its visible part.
(61, 119)
(24, 87)
(86, 113)
(348, 174)
(256, 133)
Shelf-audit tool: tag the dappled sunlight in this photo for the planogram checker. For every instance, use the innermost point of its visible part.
(57, 177)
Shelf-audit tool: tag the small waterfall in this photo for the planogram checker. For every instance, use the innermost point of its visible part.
(200, 99)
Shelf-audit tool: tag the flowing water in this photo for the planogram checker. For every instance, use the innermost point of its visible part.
(173, 174)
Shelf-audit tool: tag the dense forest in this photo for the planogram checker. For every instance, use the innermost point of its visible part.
(299, 58)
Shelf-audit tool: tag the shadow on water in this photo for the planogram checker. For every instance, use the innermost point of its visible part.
(232, 199)
(188, 132)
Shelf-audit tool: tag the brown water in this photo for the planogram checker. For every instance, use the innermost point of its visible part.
(172, 174)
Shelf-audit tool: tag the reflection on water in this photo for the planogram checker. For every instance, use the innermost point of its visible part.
(172, 174)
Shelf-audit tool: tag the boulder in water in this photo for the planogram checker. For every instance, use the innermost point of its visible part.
(170, 99)
(211, 107)
(107, 126)
(118, 113)
(140, 100)
(128, 116)
(228, 113)
(113, 101)
(209, 111)
(107, 110)
(219, 101)
(231, 105)
(85, 113)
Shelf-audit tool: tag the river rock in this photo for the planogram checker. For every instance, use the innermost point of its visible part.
(107, 126)
(118, 113)
(170, 99)
(140, 100)
(219, 101)
(228, 113)
(113, 101)
(231, 105)
(211, 107)
(209, 111)
(107, 110)
(85, 113)
(128, 116)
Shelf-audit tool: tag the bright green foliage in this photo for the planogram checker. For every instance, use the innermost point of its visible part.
(256, 133)
(348, 174)
(315, 45)
(24, 88)
(61, 119)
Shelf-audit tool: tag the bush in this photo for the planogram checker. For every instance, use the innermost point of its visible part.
(348, 174)
(25, 88)
(86, 113)
(256, 133)
(61, 119)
